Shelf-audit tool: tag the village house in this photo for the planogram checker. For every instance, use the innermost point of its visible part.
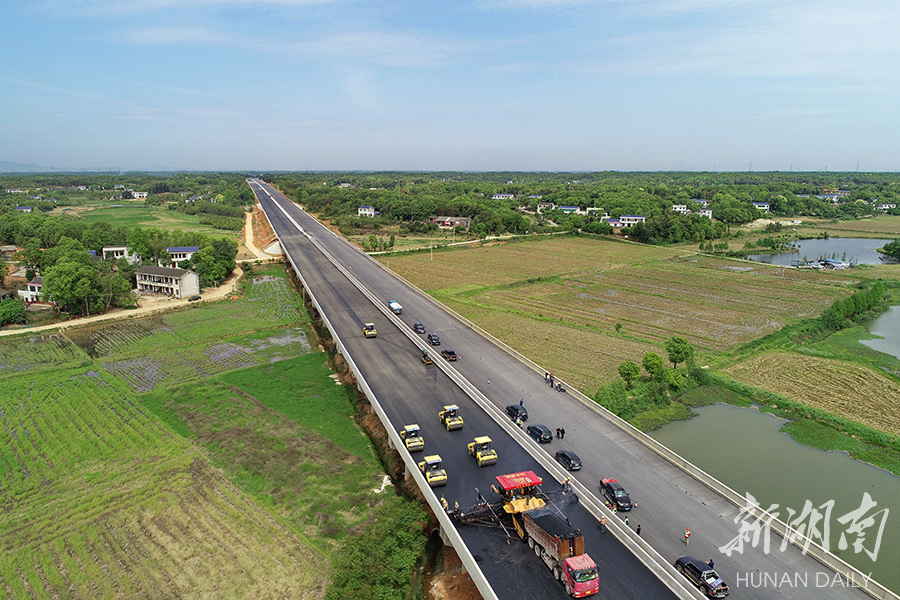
(32, 291)
(885, 206)
(117, 252)
(568, 210)
(545, 205)
(179, 254)
(503, 197)
(631, 220)
(25, 209)
(763, 206)
(704, 212)
(165, 281)
(450, 222)
(139, 195)
(681, 209)
(366, 211)
(700, 201)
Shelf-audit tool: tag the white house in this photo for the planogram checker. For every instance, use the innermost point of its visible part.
(763, 206)
(704, 212)
(366, 211)
(700, 201)
(631, 220)
(571, 209)
(681, 209)
(179, 254)
(164, 281)
(885, 206)
(117, 252)
(26, 209)
(542, 205)
(503, 197)
(139, 195)
(32, 292)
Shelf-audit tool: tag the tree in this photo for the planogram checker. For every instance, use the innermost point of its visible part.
(892, 249)
(680, 350)
(629, 371)
(71, 284)
(12, 310)
(210, 270)
(653, 364)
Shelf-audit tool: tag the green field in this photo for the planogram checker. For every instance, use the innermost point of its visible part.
(559, 300)
(157, 217)
(166, 457)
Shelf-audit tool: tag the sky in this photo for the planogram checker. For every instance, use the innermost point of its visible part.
(469, 85)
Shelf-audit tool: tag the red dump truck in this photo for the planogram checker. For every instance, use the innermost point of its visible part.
(561, 546)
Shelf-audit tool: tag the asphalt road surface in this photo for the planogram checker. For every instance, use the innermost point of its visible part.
(668, 500)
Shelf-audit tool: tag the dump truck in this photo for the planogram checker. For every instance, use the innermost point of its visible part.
(411, 437)
(395, 307)
(526, 510)
(483, 451)
(450, 417)
(561, 547)
(431, 467)
(369, 330)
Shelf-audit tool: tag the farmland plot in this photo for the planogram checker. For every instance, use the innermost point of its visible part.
(101, 500)
(21, 353)
(841, 388)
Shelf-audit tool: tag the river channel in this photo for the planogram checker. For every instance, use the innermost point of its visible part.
(745, 449)
(860, 251)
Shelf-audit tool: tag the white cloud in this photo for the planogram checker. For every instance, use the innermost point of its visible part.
(120, 7)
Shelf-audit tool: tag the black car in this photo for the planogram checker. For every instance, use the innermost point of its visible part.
(194, 298)
(703, 576)
(615, 494)
(517, 412)
(568, 459)
(418, 328)
(450, 355)
(540, 433)
(433, 339)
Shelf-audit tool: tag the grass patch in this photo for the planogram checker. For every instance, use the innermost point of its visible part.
(658, 416)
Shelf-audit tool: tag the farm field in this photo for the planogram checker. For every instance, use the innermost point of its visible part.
(539, 296)
(108, 491)
(150, 216)
(103, 500)
(882, 226)
(849, 390)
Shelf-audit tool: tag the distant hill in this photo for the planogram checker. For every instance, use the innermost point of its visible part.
(11, 167)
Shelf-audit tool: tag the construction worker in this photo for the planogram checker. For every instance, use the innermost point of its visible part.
(687, 536)
(444, 503)
(602, 523)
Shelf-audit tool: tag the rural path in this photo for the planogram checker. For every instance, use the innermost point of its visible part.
(249, 240)
(147, 305)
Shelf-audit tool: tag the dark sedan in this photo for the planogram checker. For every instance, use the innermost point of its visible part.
(569, 460)
(540, 433)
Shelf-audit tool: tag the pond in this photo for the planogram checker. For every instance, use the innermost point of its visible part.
(746, 450)
(861, 251)
(888, 327)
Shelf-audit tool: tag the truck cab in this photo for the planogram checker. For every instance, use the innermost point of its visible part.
(411, 437)
(450, 417)
(481, 448)
(369, 330)
(431, 468)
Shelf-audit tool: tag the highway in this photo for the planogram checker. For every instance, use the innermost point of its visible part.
(668, 499)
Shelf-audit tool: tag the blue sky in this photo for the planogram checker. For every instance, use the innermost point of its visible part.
(468, 85)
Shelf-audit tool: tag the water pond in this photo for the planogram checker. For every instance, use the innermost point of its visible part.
(746, 450)
(861, 251)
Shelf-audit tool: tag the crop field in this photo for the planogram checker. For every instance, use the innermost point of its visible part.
(560, 300)
(204, 340)
(105, 494)
(151, 216)
(21, 353)
(498, 263)
(101, 500)
(842, 388)
(882, 226)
